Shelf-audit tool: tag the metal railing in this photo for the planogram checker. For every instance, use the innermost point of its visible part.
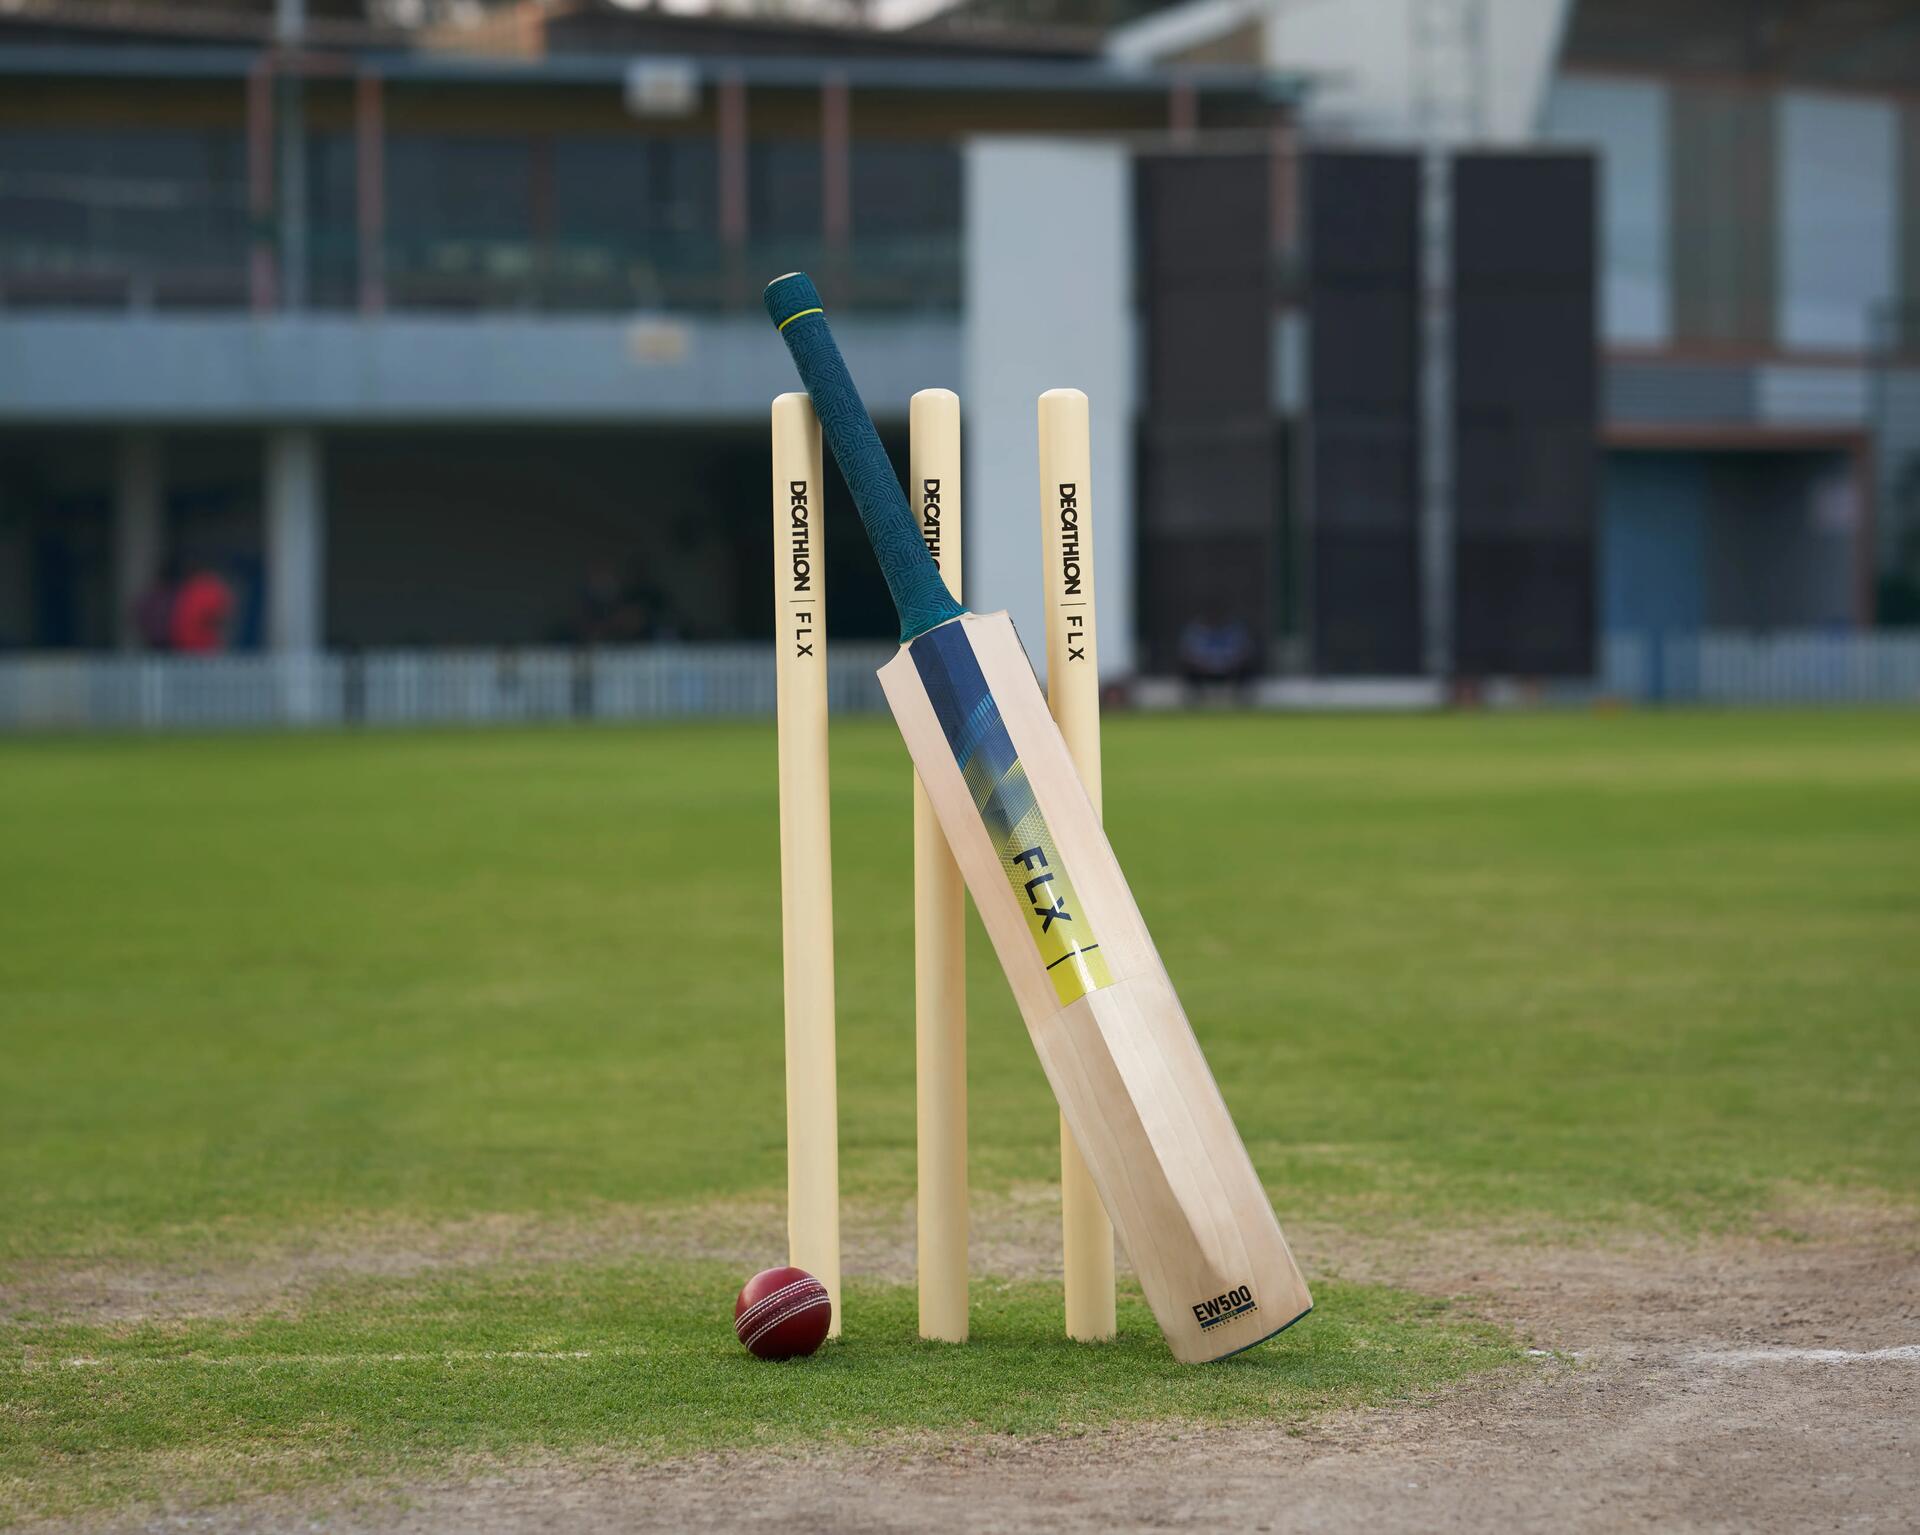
(497, 687)
(1787, 667)
(88, 260)
(383, 688)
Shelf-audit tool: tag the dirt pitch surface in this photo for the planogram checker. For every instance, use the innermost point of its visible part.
(1732, 1384)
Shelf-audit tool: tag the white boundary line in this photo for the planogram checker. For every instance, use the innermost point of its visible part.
(1904, 1353)
(242, 1361)
(1900, 1353)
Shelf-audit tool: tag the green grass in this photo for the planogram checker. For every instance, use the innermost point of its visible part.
(378, 1380)
(1547, 967)
(1537, 973)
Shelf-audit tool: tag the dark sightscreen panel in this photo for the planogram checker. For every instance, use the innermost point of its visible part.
(1210, 502)
(1363, 429)
(1542, 609)
(1531, 352)
(1372, 370)
(1526, 401)
(1217, 578)
(1206, 285)
(1204, 219)
(1219, 479)
(1211, 353)
(1367, 590)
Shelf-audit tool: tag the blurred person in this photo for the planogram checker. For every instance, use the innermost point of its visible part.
(1217, 651)
(202, 614)
(596, 613)
(153, 611)
(657, 621)
(612, 610)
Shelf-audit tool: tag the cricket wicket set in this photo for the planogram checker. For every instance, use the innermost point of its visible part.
(1140, 1108)
(939, 895)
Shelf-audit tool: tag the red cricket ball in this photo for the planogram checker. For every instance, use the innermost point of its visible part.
(782, 1314)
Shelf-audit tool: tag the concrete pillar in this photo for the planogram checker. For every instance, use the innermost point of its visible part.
(263, 275)
(836, 162)
(139, 530)
(1436, 412)
(370, 158)
(295, 541)
(732, 146)
(1048, 305)
(732, 159)
(290, 31)
(291, 122)
(16, 585)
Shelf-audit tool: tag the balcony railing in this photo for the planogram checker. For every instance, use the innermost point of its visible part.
(190, 219)
(449, 274)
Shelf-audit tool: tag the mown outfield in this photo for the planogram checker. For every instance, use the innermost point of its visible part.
(285, 1021)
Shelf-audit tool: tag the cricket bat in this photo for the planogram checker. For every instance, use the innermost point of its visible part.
(1135, 1091)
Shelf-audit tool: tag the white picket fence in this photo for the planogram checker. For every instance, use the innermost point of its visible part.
(92, 692)
(418, 687)
(1880, 667)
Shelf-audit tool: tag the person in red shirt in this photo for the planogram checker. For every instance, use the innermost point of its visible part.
(202, 612)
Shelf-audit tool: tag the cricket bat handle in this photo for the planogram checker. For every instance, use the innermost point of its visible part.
(919, 595)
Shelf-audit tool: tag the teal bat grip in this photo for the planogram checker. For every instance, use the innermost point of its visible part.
(919, 595)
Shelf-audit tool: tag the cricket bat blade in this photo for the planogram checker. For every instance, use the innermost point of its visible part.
(1185, 1200)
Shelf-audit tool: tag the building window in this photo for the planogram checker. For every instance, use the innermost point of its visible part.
(634, 224)
(550, 223)
(155, 217)
(905, 202)
(783, 204)
(1723, 216)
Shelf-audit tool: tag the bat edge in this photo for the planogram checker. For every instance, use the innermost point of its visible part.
(1263, 1338)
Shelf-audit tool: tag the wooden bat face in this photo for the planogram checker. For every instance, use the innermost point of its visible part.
(1171, 1169)
(1003, 796)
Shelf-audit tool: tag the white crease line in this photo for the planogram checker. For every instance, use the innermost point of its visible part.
(446, 1356)
(1902, 1351)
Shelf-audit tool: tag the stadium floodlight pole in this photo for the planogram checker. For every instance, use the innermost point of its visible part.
(806, 848)
(939, 931)
(1073, 694)
(1121, 1058)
